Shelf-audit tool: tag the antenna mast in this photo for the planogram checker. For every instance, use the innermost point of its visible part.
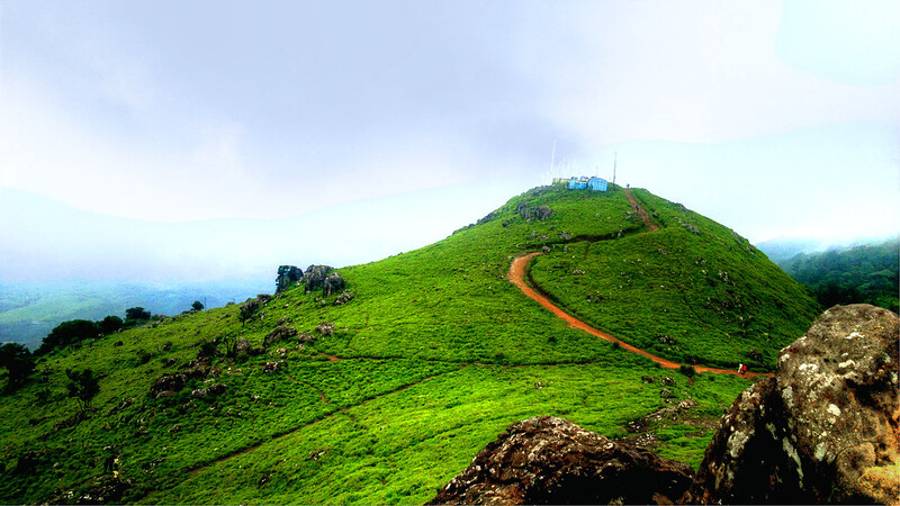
(553, 160)
(615, 161)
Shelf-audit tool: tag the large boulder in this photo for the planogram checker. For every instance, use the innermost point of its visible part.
(547, 460)
(288, 276)
(333, 283)
(824, 429)
(314, 277)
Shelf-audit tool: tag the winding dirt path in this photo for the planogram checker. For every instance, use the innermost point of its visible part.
(518, 272)
(651, 225)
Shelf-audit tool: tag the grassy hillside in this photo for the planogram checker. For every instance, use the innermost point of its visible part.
(693, 291)
(435, 355)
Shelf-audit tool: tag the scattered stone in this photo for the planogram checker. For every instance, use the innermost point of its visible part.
(217, 389)
(306, 338)
(666, 340)
(326, 329)
(165, 394)
(279, 333)
(270, 366)
(547, 460)
(242, 346)
(529, 213)
(490, 216)
(343, 298)
(824, 428)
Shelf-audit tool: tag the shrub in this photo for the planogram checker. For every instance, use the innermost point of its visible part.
(110, 324)
(688, 370)
(83, 387)
(68, 332)
(137, 313)
(197, 306)
(18, 362)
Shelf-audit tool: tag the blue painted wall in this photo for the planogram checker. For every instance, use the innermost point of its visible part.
(597, 184)
(575, 184)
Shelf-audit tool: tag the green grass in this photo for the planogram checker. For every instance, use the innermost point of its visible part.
(438, 353)
(693, 291)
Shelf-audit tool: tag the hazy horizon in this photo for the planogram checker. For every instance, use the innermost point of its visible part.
(173, 142)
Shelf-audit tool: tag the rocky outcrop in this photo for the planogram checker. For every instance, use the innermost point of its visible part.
(547, 460)
(333, 283)
(288, 276)
(823, 429)
(529, 213)
(314, 277)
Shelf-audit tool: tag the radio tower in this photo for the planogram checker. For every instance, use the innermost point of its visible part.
(615, 160)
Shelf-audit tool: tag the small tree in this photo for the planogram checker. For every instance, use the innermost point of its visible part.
(18, 362)
(197, 306)
(110, 325)
(137, 313)
(83, 386)
(68, 332)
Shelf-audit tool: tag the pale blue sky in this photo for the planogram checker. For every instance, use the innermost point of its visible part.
(776, 119)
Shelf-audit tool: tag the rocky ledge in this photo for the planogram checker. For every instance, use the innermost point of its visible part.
(547, 460)
(823, 429)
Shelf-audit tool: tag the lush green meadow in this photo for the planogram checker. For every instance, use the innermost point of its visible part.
(693, 291)
(435, 355)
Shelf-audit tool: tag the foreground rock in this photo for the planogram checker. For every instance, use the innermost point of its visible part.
(551, 461)
(824, 429)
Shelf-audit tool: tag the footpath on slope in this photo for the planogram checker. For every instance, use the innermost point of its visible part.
(518, 274)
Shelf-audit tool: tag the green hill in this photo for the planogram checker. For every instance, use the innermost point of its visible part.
(693, 291)
(433, 357)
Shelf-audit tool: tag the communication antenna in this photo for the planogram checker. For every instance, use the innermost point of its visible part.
(615, 161)
(553, 160)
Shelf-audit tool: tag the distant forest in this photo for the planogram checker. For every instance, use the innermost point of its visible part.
(861, 274)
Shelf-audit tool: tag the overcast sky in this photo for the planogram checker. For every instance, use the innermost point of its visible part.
(401, 121)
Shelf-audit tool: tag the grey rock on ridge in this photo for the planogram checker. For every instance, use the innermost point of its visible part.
(824, 429)
(315, 275)
(548, 460)
(288, 276)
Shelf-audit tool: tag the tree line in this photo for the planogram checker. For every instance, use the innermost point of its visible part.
(20, 363)
(863, 274)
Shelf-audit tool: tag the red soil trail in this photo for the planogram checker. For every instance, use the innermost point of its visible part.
(517, 274)
(653, 227)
